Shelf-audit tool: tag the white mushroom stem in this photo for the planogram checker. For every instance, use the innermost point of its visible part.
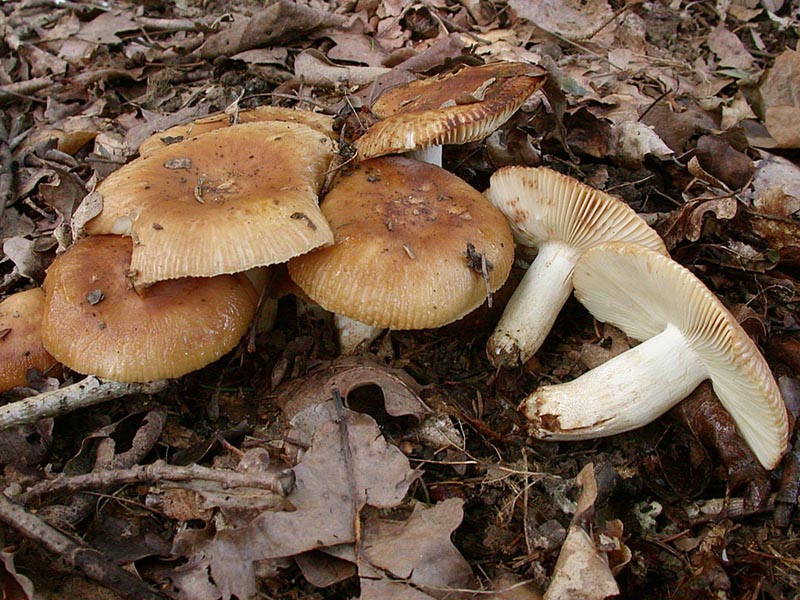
(353, 334)
(431, 155)
(534, 306)
(630, 390)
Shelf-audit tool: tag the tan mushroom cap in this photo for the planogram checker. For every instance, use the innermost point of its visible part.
(21, 346)
(96, 323)
(544, 205)
(179, 133)
(402, 229)
(643, 292)
(229, 200)
(449, 109)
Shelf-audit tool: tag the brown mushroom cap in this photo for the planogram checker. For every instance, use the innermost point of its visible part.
(229, 200)
(96, 323)
(402, 230)
(21, 346)
(449, 109)
(179, 133)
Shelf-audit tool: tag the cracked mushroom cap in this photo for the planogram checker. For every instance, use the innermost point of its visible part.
(229, 200)
(96, 323)
(643, 292)
(21, 346)
(449, 109)
(179, 133)
(410, 242)
(543, 205)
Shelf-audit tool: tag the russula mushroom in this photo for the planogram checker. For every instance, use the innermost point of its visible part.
(21, 346)
(456, 108)
(690, 336)
(414, 246)
(223, 202)
(96, 323)
(563, 218)
(179, 133)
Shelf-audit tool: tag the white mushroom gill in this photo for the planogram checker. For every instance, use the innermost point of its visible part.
(690, 337)
(562, 218)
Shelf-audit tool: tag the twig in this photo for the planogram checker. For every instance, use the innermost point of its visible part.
(87, 392)
(280, 483)
(168, 24)
(87, 560)
(79, 506)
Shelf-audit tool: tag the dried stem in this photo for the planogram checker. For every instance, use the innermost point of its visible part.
(87, 392)
(280, 483)
(87, 560)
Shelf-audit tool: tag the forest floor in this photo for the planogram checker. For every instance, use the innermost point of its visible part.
(688, 111)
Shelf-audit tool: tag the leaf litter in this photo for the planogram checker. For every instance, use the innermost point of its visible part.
(421, 484)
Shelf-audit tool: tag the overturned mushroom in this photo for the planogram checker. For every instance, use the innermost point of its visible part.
(414, 247)
(563, 218)
(223, 202)
(96, 323)
(690, 336)
(449, 109)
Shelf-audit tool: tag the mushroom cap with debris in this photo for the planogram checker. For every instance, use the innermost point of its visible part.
(415, 246)
(179, 133)
(96, 323)
(21, 347)
(455, 108)
(229, 200)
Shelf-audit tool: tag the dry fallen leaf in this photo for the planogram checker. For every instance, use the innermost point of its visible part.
(780, 97)
(400, 391)
(278, 23)
(333, 483)
(573, 19)
(416, 553)
(729, 49)
(582, 571)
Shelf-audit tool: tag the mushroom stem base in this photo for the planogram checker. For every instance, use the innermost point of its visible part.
(354, 335)
(629, 391)
(534, 306)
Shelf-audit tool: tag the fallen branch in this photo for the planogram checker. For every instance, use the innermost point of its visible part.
(280, 483)
(87, 560)
(87, 392)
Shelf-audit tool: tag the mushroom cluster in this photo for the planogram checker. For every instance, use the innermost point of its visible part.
(158, 288)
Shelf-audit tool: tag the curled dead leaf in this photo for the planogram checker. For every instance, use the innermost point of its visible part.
(400, 391)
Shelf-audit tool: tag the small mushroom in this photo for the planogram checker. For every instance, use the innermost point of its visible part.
(96, 323)
(456, 108)
(21, 346)
(402, 229)
(563, 218)
(229, 200)
(690, 336)
(179, 133)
